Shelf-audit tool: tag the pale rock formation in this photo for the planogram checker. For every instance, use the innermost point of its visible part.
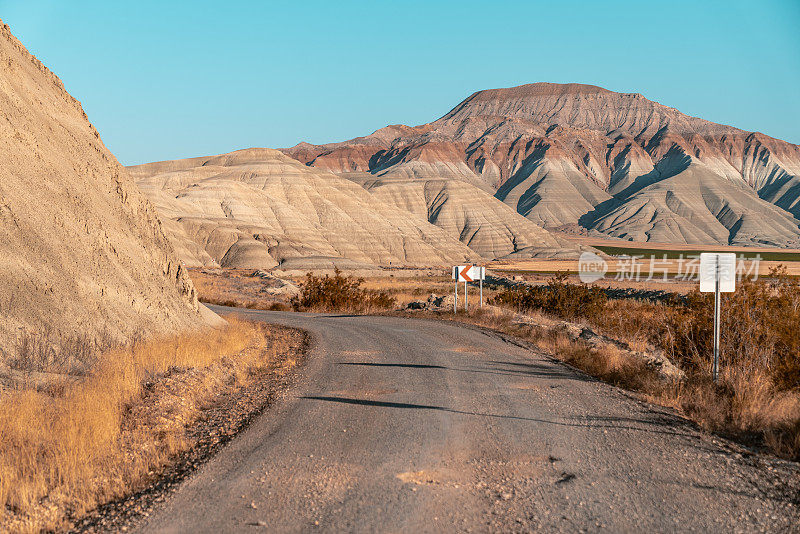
(258, 208)
(469, 214)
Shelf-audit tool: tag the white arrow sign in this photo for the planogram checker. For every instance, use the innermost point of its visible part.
(469, 273)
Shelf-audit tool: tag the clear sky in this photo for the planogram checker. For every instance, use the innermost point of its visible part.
(163, 80)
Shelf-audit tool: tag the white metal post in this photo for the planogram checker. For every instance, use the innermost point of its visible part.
(466, 297)
(481, 289)
(715, 370)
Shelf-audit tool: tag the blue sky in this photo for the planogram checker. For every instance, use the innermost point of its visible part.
(164, 80)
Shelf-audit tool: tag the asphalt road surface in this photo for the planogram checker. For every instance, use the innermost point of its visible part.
(404, 425)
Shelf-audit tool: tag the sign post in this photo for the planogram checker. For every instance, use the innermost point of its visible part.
(467, 274)
(455, 277)
(481, 284)
(717, 275)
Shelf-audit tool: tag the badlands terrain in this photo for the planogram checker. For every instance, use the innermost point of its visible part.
(489, 180)
(258, 208)
(82, 253)
(415, 423)
(588, 160)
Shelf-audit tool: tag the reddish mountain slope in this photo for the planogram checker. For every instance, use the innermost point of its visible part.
(579, 155)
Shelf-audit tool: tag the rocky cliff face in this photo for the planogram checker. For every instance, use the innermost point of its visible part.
(82, 251)
(572, 156)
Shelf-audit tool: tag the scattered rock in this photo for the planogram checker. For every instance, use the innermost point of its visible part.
(276, 286)
(654, 358)
(434, 303)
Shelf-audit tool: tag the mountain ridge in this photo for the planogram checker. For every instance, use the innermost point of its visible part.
(258, 208)
(555, 152)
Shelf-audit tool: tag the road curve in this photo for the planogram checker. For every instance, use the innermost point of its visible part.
(404, 425)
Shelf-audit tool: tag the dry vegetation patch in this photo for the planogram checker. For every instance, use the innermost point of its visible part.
(245, 289)
(68, 448)
(339, 293)
(238, 288)
(557, 297)
(756, 400)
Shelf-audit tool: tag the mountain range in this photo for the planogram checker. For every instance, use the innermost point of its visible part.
(580, 158)
(258, 208)
(507, 173)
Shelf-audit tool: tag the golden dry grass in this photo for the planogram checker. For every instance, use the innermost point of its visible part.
(86, 442)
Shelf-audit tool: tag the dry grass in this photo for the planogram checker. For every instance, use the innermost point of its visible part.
(239, 288)
(263, 305)
(73, 447)
(45, 353)
(235, 287)
(406, 290)
(557, 297)
(532, 275)
(606, 362)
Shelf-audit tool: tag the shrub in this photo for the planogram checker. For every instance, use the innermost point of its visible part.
(339, 293)
(759, 328)
(559, 298)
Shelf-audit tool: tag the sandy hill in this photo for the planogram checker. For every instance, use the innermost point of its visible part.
(578, 156)
(82, 251)
(258, 208)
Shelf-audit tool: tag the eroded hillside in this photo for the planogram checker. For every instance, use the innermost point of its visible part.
(258, 208)
(82, 251)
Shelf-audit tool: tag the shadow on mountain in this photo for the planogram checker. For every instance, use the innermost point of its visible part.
(674, 162)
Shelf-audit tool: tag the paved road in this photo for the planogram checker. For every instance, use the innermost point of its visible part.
(402, 425)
